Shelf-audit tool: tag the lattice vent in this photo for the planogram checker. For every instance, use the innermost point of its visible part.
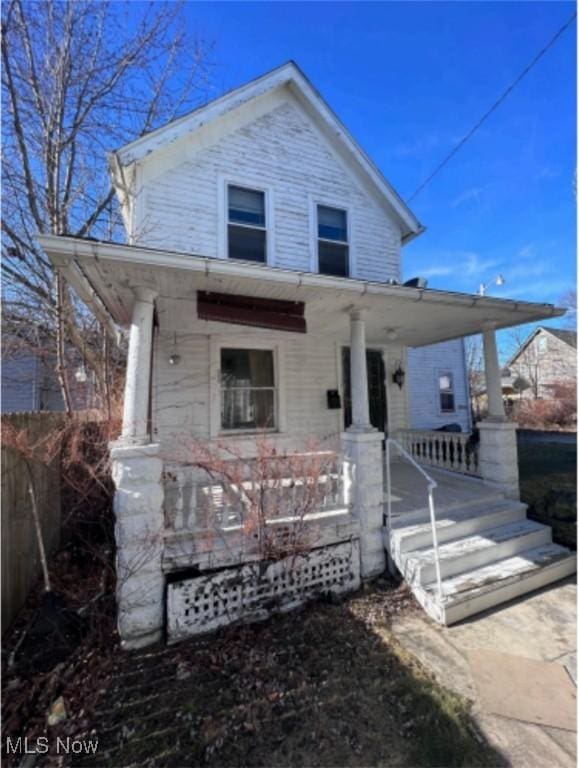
(256, 590)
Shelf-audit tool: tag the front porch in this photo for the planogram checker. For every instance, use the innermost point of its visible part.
(183, 310)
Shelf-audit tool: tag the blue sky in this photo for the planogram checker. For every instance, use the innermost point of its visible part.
(409, 80)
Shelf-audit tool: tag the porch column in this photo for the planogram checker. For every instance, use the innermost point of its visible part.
(493, 376)
(138, 381)
(363, 445)
(498, 455)
(359, 374)
(137, 469)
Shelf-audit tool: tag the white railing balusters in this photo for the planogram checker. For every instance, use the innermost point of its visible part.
(446, 450)
(432, 484)
(194, 500)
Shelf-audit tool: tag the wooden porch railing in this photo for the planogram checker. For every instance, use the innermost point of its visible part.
(303, 486)
(454, 451)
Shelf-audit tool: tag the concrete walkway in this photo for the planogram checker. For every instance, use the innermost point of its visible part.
(541, 626)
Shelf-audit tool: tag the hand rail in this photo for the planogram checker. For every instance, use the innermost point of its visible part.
(432, 484)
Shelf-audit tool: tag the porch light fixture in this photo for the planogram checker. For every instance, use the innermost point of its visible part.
(175, 357)
(398, 376)
(498, 280)
(80, 374)
(391, 334)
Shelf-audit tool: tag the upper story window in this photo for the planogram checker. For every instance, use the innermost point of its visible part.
(246, 227)
(543, 344)
(248, 392)
(446, 392)
(333, 248)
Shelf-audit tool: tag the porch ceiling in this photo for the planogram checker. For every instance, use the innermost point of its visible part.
(104, 275)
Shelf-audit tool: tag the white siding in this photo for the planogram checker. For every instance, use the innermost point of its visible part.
(180, 202)
(423, 365)
(309, 365)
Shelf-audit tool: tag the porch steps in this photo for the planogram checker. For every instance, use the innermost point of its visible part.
(489, 552)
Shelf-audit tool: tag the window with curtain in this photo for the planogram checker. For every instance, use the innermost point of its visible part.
(248, 392)
(246, 228)
(446, 392)
(333, 248)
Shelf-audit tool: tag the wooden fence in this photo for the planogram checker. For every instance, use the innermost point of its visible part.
(20, 555)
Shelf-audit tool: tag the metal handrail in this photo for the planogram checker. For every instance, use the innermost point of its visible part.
(432, 484)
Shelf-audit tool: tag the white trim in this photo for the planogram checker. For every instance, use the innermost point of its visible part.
(438, 372)
(289, 75)
(67, 252)
(223, 341)
(224, 182)
(313, 202)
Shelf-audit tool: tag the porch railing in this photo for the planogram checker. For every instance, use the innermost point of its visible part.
(431, 485)
(455, 451)
(277, 489)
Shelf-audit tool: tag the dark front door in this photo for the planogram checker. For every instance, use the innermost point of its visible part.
(376, 388)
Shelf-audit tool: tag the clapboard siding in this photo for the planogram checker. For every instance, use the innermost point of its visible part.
(423, 365)
(179, 208)
(20, 383)
(308, 365)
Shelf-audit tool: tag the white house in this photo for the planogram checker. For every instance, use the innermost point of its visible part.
(438, 387)
(260, 284)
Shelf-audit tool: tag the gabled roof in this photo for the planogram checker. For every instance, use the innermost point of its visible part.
(290, 75)
(569, 337)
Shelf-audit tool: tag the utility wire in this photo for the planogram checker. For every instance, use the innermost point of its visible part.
(497, 103)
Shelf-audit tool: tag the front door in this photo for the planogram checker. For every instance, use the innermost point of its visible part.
(376, 388)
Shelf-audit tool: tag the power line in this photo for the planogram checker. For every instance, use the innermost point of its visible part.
(497, 103)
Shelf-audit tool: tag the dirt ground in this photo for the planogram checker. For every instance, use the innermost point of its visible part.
(327, 686)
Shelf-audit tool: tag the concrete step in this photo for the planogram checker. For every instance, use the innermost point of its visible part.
(479, 589)
(461, 522)
(470, 552)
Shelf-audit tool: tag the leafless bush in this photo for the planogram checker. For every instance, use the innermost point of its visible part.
(272, 497)
(557, 411)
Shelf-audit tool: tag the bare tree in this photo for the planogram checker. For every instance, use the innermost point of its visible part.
(79, 78)
(569, 301)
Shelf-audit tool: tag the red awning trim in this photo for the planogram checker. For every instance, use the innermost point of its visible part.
(248, 310)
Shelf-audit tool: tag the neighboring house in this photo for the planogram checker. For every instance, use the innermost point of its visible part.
(30, 383)
(260, 284)
(438, 386)
(547, 358)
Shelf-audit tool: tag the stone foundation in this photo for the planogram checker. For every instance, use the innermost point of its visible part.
(498, 457)
(138, 506)
(365, 450)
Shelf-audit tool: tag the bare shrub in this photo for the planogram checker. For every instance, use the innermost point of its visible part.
(272, 498)
(558, 411)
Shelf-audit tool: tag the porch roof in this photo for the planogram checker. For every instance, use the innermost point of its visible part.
(104, 275)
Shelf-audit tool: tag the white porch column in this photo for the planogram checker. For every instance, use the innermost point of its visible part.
(363, 445)
(138, 380)
(498, 455)
(137, 474)
(493, 376)
(359, 374)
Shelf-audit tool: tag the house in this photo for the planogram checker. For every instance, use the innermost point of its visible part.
(438, 387)
(261, 287)
(546, 358)
(28, 374)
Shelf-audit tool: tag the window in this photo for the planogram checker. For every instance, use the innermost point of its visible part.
(543, 344)
(246, 228)
(248, 393)
(446, 392)
(333, 250)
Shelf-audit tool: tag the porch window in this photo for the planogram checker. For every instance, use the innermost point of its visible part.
(246, 228)
(248, 392)
(446, 392)
(333, 248)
